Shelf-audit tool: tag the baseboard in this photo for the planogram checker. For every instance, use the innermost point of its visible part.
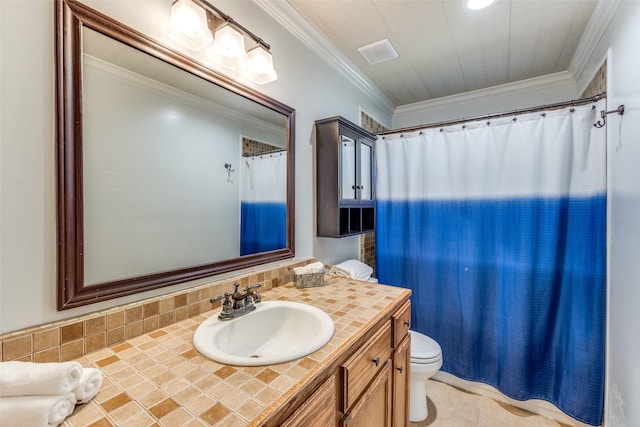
(536, 406)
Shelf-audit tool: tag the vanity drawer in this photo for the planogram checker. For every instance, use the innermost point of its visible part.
(401, 321)
(359, 370)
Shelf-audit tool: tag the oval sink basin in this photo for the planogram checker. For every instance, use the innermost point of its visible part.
(276, 332)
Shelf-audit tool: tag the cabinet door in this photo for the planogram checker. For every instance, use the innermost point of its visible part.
(401, 367)
(319, 410)
(373, 409)
(365, 184)
(348, 185)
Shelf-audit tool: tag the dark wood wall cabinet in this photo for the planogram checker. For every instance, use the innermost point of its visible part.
(345, 172)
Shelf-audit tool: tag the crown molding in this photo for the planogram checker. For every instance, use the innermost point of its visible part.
(561, 78)
(596, 27)
(292, 20)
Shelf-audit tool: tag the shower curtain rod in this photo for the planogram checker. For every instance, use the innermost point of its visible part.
(544, 107)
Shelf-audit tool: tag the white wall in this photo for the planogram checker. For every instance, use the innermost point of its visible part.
(528, 93)
(620, 45)
(27, 161)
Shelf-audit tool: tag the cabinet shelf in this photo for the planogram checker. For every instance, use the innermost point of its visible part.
(345, 178)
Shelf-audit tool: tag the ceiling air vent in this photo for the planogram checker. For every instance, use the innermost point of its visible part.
(378, 52)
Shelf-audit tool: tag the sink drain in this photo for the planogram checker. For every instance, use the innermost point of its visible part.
(255, 356)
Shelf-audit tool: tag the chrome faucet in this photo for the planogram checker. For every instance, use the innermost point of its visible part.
(236, 304)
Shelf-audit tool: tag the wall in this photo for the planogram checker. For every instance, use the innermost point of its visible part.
(27, 159)
(619, 46)
(548, 89)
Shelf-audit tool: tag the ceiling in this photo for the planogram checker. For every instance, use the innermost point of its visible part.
(445, 49)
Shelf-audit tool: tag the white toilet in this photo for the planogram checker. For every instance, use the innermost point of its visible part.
(426, 360)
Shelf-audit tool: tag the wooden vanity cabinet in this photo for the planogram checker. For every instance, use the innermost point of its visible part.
(401, 371)
(370, 385)
(345, 180)
(319, 410)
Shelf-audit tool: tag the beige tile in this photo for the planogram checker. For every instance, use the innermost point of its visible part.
(164, 407)
(123, 414)
(165, 305)
(177, 417)
(151, 323)
(51, 355)
(214, 414)
(133, 314)
(87, 414)
(250, 410)
(95, 342)
(151, 309)
(134, 329)
(46, 339)
(180, 300)
(72, 350)
(95, 325)
(115, 402)
(71, 332)
(115, 336)
(15, 348)
(115, 320)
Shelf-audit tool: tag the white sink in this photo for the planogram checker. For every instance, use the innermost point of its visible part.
(276, 332)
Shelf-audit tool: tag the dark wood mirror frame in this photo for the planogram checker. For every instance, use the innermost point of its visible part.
(70, 17)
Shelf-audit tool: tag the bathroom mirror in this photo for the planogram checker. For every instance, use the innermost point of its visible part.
(167, 170)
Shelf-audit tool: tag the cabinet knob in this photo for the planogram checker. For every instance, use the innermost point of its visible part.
(400, 369)
(406, 323)
(353, 187)
(376, 361)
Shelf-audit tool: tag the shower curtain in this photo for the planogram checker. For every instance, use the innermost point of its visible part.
(263, 219)
(499, 229)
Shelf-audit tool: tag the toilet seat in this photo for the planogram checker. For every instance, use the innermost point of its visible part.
(424, 350)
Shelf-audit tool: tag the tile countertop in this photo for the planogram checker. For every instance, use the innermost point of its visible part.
(160, 379)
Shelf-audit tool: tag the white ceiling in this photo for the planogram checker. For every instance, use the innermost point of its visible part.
(445, 49)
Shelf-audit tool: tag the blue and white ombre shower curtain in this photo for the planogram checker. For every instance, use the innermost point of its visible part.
(500, 231)
(263, 219)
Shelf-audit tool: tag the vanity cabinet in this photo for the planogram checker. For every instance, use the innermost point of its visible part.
(345, 178)
(319, 410)
(369, 387)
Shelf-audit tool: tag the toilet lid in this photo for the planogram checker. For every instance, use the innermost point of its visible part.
(423, 348)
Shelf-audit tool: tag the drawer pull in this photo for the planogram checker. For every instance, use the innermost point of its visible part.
(406, 323)
(400, 369)
(376, 361)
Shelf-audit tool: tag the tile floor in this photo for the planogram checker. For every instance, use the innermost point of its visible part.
(453, 407)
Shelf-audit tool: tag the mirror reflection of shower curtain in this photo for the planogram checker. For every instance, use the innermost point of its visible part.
(500, 232)
(263, 220)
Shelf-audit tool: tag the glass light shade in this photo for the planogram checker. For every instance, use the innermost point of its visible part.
(228, 48)
(478, 4)
(189, 25)
(260, 68)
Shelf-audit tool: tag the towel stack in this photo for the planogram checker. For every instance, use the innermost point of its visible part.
(313, 268)
(352, 269)
(44, 394)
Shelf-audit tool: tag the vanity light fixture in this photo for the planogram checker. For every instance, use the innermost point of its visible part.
(191, 18)
(189, 25)
(260, 69)
(477, 4)
(228, 47)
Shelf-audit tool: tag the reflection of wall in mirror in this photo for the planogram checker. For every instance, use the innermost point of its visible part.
(154, 180)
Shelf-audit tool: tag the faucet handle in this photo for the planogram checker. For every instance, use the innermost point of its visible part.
(225, 296)
(226, 305)
(254, 294)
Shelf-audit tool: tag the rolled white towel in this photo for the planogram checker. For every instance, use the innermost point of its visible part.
(36, 411)
(316, 267)
(352, 269)
(27, 378)
(88, 386)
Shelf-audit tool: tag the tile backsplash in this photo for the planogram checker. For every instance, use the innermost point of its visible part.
(73, 338)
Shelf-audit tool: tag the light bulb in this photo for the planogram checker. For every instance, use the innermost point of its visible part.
(189, 25)
(478, 4)
(260, 68)
(228, 47)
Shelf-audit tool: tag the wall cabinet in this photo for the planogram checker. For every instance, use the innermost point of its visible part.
(345, 173)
